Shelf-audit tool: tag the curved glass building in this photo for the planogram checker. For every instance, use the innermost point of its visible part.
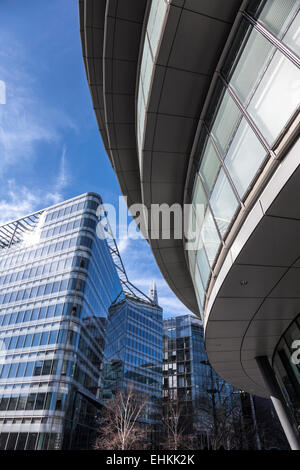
(198, 105)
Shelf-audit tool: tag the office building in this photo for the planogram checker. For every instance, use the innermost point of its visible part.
(210, 411)
(202, 400)
(197, 104)
(57, 282)
(133, 354)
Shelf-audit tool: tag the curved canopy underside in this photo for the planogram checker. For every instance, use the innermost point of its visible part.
(112, 41)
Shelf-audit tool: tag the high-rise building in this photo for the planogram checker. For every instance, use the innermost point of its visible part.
(191, 385)
(133, 354)
(211, 411)
(57, 282)
(198, 104)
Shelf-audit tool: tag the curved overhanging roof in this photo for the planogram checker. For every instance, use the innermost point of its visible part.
(112, 36)
(256, 294)
(181, 77)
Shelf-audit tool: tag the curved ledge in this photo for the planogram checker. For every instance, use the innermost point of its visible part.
(255, 296)
(181, 77)
(110, 33)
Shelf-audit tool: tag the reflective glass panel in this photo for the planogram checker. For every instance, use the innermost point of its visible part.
(244, 158)
(199, 201)
(276, 15)
(226, 122)
(250, 66)
(203, 265)
(292, 37)
(223, 203)
(210, 237)
(199, 288)
(209, 168)
(276, 98)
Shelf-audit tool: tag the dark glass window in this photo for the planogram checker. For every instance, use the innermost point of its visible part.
(21, 443)
(30, 401)
(11, 442)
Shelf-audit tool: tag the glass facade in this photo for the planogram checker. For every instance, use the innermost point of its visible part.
(133, 353)
(57, 282)
(255, 99)
(286, 363)
(189, 380)
(156, 20)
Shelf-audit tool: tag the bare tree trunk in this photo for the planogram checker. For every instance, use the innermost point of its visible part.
(120, 427)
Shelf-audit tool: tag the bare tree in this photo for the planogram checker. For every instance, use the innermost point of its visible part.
(175, 425)
(120, 428)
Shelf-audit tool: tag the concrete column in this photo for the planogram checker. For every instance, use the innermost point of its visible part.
(278, 401)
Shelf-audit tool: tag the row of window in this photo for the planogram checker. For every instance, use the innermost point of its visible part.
(65, 211)
(152, 36)
(175, 381)
(146, 321)
(254, 100)
(142, 378)
(29, 441)
(40, 313)
(28, 369)
(143, 333)
(89, 348)
(55, 266)
(82, 372)
(43, 251)
(173, 367)
(143, 348)
(39, 339)
(32, 401)
(42, 290)
(68, 227)
(136, 361)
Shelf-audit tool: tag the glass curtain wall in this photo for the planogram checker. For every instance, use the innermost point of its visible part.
(255, 99)
(56, 285)
(133, 355)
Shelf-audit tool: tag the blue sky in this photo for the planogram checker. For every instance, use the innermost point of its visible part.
(50, 146)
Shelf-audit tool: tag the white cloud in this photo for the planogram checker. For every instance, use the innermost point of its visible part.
(21, 128)
(20, 200)
(123, 245)
(26, 119)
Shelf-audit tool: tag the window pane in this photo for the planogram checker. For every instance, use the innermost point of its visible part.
(223, 202)
(199, 201)
(277, 97)
(225, 122)
(203, 265)
(199, 288)
(251, 65)
(210, 237)
(209, 168)
(292, 38)
(276, 14)
(244, 158)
